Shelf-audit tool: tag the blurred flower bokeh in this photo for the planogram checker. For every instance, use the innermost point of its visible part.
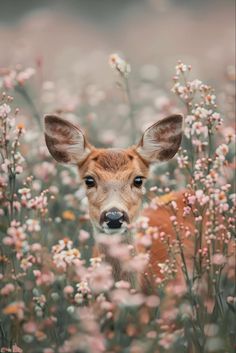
(115, 68)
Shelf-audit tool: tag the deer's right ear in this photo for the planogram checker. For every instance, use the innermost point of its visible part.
(65, 141)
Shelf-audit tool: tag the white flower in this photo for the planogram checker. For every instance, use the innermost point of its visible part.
(187, 132)
(210, 99)
(199, 129)
(5, 165)
(182, 161)
(189, 119)
(79, 298)
(25, 75)
(95, 261)
(201, 197)
(195, 84)
(64, 254)
(216, 117)
(201, 112)
(180, 90)
(180, 68)
(33, 225)
(25, 192)
(4, 110)
(83, 287)
(222, 151)
(119, 64)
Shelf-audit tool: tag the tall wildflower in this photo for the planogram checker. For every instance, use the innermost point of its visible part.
(208, 199)
(120, 65)
(58, 295)
(123, 69)
(18, 253)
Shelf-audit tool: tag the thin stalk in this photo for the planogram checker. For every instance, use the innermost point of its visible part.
(131, 113)
(22, 91)
(209, 148)
(187, 279)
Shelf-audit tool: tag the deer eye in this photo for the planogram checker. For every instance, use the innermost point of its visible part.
(89, 181)
(138, 181)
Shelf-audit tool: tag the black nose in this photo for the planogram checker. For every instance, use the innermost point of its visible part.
(114, 218)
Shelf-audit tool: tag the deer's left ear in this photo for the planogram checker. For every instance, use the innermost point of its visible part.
(161, 141)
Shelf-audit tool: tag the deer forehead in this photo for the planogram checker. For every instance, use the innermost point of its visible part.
(114, 164)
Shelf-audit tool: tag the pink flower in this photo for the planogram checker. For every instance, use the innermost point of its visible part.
(30, 327)
(16, 235)
(180, 68)
(83, 236)
(5, 165)
(27, 262)
(199, 129)
(68, 290)
(7, 289)
(120, 251)
(218, 259)
(145, 240)
(137, 264)
(25, 75)
(5, 109)
(222, 151)
(64, 255)
(45, 171)
(124, 297)
(201, 197)
(33, 225)
(101, 279)
(152, 301)
(44, 278)
(16, 349)
(36, 247)
(191, 199)
(122, 285)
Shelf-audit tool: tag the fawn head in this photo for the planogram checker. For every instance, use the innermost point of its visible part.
(113, 178)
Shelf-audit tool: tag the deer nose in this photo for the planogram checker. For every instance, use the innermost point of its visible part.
(114, 218)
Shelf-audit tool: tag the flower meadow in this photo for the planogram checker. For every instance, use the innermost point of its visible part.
(56, 294)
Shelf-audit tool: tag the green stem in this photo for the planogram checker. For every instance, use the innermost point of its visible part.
(193, 300)
(131, 114)
(22, 91)
(209, 149)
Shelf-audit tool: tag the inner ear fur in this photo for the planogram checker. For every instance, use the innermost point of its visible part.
(65, 141)
(161, 141)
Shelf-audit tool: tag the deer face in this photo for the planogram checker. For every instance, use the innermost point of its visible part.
(113, 178)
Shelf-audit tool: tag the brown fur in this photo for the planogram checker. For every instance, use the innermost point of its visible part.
(160, 218)
(114, 170)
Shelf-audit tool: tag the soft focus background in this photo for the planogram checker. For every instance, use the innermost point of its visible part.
(69, 42)
(56, 295)
(72, 37)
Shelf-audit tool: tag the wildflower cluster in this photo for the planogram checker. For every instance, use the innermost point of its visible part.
(204, 225)
(10, 78)
(60, 293)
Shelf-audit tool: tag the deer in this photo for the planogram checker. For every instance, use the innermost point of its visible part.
(114, 178)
